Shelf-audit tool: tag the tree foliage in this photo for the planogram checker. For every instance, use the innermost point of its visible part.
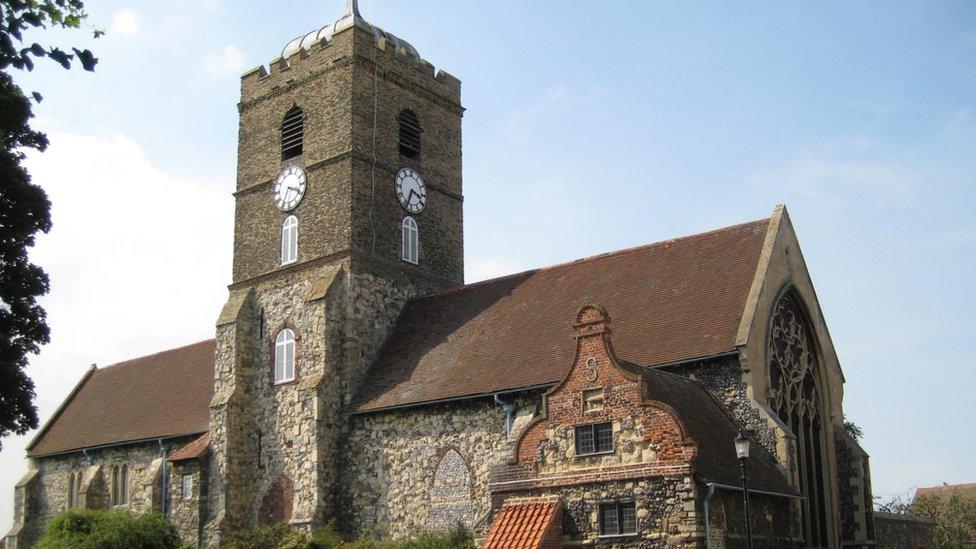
(24, 207)
(954, 515)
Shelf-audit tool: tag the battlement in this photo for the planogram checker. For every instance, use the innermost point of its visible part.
(321, 50)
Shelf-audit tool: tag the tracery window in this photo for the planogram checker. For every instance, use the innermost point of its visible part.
(797, 398)
(289, 240)
(284, 361)
(292, 133)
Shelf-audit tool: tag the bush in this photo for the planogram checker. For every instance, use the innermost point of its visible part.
(281, 536)
(82, 529)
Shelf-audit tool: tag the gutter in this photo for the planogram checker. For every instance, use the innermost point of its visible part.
(509, 412)
(711, 491)
(85, 449)
(163, 480)
(449, 399)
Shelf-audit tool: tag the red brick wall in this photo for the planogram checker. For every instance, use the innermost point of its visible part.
(596, 367)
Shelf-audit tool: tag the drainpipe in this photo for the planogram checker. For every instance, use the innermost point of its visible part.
(163, 480)
(88, 457)
(711, 491)
(509, 412)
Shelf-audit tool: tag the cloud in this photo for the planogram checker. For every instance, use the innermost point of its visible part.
(209, 4)
(879, 182)
(519, 124)
(138, 260)
(228, 62)
(485, 268)
(125, 22)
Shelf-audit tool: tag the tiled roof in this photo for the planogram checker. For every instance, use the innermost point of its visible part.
(524, 524)
(162, 395)
(671, 301)
(711, 427)
(193, 450)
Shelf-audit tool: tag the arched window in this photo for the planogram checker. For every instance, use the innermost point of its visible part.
(796, 396)
(409, 133)
(115, 485)
(411, 240)
(124, 491)
(120, 485)
(292, 133)
(72, 491)
(284, 360)
(289, 240)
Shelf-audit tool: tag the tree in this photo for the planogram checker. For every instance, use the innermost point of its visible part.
(24, 207)
(955, 517)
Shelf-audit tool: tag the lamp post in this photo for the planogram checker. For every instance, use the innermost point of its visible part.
(742, 452)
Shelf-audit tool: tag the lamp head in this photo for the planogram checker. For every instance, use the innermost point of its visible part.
(742, 446)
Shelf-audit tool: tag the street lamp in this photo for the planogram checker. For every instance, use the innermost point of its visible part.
(742, 452)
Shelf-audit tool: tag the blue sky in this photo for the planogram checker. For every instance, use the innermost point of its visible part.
(591, 126)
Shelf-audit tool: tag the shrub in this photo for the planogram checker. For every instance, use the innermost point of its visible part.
(281, 536)
(83, 529)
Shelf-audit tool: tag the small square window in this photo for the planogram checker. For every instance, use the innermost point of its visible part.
(187, 487)
(593, 400)
(618, 518)
(594, 439)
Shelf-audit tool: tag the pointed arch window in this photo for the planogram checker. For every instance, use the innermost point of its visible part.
(284, 359)
(289, 240)
(74, 490)
(410, 131)
(120, 484)
(796, 395)
(411, 240)
(292, 133)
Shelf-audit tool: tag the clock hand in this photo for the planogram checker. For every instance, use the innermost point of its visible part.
(412, 194)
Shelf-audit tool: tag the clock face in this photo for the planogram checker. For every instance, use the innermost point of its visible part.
(411, 190)
(289, 188)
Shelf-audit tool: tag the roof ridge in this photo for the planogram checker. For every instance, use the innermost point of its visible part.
(128, 361)
(587, 259)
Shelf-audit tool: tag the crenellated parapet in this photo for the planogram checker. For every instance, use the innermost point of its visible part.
(337, 45)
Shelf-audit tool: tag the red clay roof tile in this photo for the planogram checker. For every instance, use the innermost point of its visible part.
(671, 301)
(193, 450)
(523, 523)
(161, 395)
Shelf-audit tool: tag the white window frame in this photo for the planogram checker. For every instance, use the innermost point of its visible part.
(289, 240)
(186, 487)
(284, 357)
(410, 240)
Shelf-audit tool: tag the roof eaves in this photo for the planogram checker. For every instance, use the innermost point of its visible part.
(472, 396)
(113, 444)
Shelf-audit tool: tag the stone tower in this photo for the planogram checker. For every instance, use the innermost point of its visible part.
(348, 202)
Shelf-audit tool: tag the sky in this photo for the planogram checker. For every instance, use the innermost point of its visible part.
(590, 126)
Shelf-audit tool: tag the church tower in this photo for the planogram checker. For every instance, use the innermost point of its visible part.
(348, 202)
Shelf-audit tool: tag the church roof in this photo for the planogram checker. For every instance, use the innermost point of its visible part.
(162, 395)
(671, 301)
(709, 424)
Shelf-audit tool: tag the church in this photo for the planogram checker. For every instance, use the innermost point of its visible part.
(354, 377)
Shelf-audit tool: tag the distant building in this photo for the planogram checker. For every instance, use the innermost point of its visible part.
(353, 376)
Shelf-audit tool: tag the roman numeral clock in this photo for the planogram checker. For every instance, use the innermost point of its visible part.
(411, 190)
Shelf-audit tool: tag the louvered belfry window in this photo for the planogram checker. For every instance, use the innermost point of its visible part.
(409, 133)
(292, 133)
